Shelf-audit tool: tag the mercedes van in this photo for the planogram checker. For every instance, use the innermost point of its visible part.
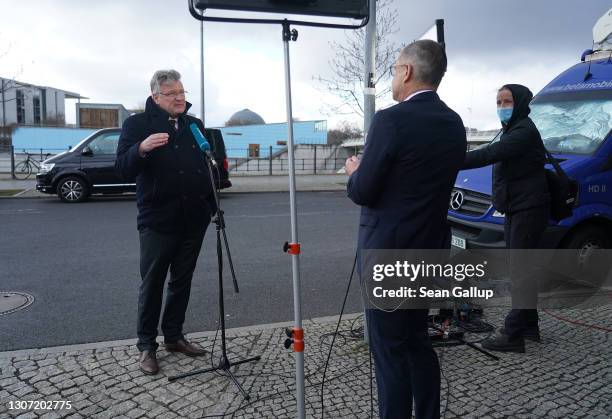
(574, 116)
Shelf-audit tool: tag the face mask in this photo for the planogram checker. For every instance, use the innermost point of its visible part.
(504, 114)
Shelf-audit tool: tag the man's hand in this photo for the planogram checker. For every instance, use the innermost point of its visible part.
(152, 142)
(351, 165)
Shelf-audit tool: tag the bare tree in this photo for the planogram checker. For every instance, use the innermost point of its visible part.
(140, 108)
(347, 80)
(344, 131)
(9, 84)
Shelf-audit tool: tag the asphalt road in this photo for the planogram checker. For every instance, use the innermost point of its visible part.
(80, 262)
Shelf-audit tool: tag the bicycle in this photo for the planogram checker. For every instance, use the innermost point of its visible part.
(24, 169)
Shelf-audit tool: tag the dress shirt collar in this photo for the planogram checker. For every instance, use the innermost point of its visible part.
(418, 92)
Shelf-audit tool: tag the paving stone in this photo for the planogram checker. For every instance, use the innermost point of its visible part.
(136, 413)
(49, 390)
(90, 411)
(23, 391)
(122, 408)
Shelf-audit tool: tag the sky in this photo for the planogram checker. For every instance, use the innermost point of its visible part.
(107, 51)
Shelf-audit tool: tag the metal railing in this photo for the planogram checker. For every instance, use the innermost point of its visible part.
(308, 159)
(11, 159)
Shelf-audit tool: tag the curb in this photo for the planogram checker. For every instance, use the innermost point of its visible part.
(195, 335)
(52, 196)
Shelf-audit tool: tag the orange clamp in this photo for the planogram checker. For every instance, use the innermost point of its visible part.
(298, 339)
(294, 249)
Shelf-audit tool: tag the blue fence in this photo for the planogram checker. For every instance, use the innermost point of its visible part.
(33, 139)
(49, 139)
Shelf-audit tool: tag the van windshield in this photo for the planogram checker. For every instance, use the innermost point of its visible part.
(83, 141)
(573, 123)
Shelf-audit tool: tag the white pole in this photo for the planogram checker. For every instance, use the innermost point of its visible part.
(369, 89)
(202, 67)
(369, 95)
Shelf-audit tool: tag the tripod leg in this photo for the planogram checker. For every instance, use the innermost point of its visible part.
(233, 378)
(189, 374)
(243, 361)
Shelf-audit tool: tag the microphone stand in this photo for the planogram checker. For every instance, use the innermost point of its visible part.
(224, 363)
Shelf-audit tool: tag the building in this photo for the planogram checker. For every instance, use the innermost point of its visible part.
(100, 115)
(249, 136)
(245, 117)
(28, 104)
(475, 138)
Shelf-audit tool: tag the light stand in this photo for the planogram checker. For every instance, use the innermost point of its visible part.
(296, 335)
(225, 364)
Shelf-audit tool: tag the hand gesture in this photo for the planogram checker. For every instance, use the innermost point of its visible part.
(152, 142)
(351, 165)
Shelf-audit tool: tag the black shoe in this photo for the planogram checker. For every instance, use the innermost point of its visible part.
(533, 334)
(503, 343)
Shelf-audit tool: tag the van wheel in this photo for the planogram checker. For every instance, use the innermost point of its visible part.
(72, 189)
(588, 238)
(586, 241)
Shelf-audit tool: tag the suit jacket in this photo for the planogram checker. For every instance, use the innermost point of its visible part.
(173, 188)
(409, 165)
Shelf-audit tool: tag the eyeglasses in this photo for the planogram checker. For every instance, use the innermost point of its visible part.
(174, 95)
(392, 69)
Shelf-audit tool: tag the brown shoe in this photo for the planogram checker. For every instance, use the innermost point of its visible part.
(184, 347)
(148, 362)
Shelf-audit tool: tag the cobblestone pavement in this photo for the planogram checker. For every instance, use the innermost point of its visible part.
(568, 375)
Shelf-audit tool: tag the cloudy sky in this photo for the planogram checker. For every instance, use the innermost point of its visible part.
(107, 51)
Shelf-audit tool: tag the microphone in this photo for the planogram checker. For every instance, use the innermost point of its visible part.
(202, 142)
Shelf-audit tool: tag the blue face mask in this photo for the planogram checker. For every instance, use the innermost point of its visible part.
(504, 114)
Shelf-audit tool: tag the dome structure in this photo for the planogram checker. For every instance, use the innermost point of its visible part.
(245, 117)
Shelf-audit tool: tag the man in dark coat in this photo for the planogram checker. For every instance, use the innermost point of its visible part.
(403, 182)
(175, 204)
(520, 192)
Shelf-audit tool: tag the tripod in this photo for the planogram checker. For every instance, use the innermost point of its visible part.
(224, 363)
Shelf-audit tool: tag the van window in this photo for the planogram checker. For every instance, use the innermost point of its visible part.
(105, 144)
(573, 123)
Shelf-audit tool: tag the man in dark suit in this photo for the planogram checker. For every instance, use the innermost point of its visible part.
(175, 204)
(403, 182)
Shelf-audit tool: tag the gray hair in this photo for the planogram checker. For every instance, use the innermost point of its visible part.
(163, 76)
(428, 61)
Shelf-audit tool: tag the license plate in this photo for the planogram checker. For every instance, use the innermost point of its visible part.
(458, 242)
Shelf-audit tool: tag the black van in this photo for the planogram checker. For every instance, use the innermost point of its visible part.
(89, 167)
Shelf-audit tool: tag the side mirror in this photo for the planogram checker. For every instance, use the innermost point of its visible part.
(87, 151)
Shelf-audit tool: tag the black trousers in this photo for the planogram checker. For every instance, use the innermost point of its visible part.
(523, 230)
(407, 367)
(160, 252)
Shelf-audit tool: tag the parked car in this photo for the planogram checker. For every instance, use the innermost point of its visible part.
(89, 167)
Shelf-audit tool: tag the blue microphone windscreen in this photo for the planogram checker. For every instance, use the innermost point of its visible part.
(199, 137)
